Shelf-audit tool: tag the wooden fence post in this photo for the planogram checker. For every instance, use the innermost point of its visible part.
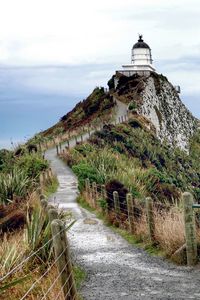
(104, 197)
(42, 197)
(116, 202)
(49, 174)
(150, 218)
(190, 230)
(87, 187)
(94, 194)
(53, 214)
(41, 180)
(57, 151)
(103, 191)
(44, 204)
(129, 199)
(61, 248)
(45, 177)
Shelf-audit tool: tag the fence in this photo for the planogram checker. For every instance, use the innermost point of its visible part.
(148, 219)
(62, 285)
(72, 133)
(84, 134)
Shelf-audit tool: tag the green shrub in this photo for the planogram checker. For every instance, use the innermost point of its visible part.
(6, 160)
(84, 171)
(103, 203)
(33, 164)
(132, 106)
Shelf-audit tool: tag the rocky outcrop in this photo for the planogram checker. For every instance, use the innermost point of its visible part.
(162, 106)
(158, 101)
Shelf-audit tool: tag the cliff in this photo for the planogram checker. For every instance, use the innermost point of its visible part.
(156, 99)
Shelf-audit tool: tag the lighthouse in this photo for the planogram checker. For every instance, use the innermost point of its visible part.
(141, 60)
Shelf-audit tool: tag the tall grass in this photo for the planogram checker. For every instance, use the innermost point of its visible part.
(15, 183)
(38, 233)
(11, 252)
(169, 230)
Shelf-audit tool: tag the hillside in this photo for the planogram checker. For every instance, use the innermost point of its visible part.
(94, 107)
(153, 100)
(155, 142)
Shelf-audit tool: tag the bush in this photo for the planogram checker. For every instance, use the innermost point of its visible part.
(84, 171)
(135, 123)
(32, 164)
(111, 83)
(112, 186)
(6, 160)
(132, 106)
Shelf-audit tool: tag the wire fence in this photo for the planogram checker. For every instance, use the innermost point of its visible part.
(73, 137)
(168, 226)
(50, 280)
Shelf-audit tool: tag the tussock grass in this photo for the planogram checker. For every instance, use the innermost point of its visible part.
(169, 230)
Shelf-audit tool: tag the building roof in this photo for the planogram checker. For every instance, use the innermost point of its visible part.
(140, 44)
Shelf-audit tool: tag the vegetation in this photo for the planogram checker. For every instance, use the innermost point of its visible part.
(129, 158)
(95, 107)
(19, 174)
(16, 247)
(136, 158)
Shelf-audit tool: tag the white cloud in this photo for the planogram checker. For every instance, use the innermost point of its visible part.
(74, 32)
(81, 33)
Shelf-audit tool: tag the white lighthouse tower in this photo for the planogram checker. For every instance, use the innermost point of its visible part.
(141, 60)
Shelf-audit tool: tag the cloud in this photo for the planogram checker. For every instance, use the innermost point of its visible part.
(86, 32)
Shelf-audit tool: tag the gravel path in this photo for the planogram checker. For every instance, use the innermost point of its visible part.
(116, 270)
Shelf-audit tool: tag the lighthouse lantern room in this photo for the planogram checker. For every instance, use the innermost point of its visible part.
(141, 60)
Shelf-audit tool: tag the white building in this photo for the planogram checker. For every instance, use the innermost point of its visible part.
(141, 60)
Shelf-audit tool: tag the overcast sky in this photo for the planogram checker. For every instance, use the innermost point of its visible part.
(66, 48)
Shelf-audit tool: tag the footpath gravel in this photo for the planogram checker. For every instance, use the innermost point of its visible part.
(116, 270)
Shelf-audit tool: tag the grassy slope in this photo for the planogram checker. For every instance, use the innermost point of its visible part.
(135, 157)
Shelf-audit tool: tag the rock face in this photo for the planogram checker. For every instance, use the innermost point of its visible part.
(159, 102)
(163, 107)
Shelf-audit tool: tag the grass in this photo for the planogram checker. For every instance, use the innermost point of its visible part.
(135, 241)
(84, 204)
(12, 251)
(51, 188)
(79, 276)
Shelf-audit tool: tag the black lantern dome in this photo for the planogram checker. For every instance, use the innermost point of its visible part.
(141, 43)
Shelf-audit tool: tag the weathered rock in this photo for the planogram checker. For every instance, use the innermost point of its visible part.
(163, 107)
(158, 101)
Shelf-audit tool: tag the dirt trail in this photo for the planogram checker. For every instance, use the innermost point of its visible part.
(115, 269)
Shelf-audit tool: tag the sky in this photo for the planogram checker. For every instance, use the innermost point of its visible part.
(54, 53)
